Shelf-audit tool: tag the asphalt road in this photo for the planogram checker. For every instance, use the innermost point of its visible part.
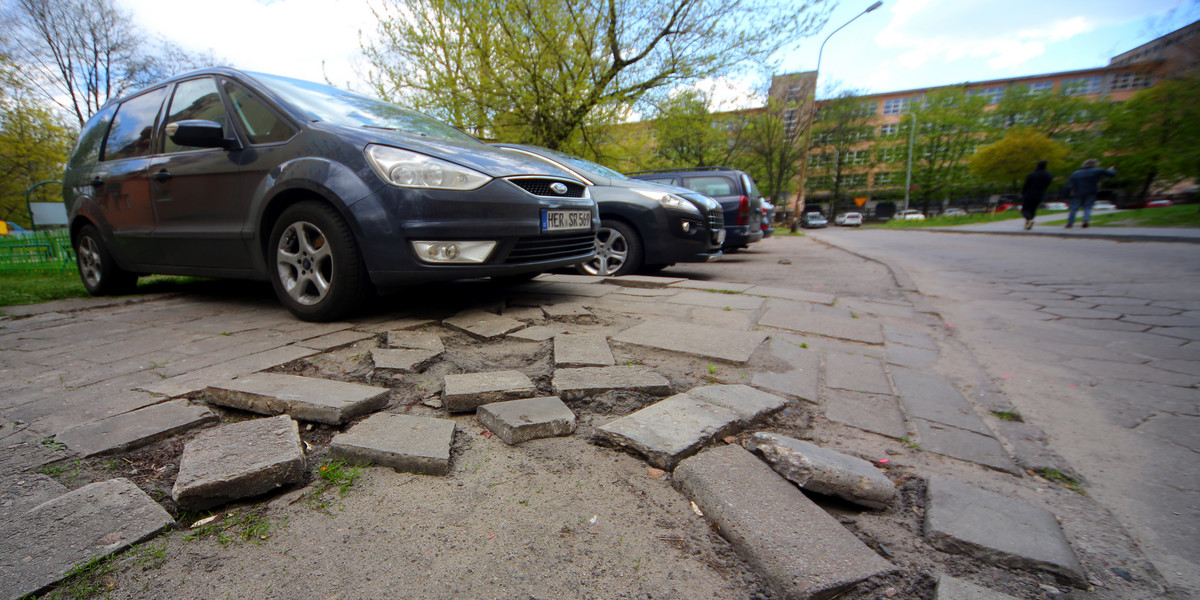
(1095, 341)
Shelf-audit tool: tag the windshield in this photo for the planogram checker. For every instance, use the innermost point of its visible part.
(319, 102)
(580, 164)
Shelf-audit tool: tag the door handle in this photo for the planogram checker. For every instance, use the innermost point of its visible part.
(97, 182)
(162, 175)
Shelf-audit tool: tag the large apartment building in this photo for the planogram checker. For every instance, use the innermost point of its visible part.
(881, 174)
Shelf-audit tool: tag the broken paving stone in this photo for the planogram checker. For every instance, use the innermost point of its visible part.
(669, 430)
(856, 373)
(824, 471)
(406, 360)
(949, 588)
(643, 281)
(749, 404)
(877, 413)
(336, 339)
(22, 491)
(1031, 450)
(136, 428)
(798, 548)
(402, 442)
(568, 311)
(573, 384)
(697, 340)
(483, 325)
(239, 460)
(717, 300)
(517, 421)
(524, 313)
(46, 543)
(962, 444)
(305, 398)
(964, 519)
(866, 331)
(415, 340)
(537, 333)
(468, 391)
(581, 350)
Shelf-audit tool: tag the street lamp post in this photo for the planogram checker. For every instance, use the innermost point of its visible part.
(812, 108)
(912, 129)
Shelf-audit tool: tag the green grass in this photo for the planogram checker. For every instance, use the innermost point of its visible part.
(32, 288)
(970, 219)
(1066, 480)
(1184, 215)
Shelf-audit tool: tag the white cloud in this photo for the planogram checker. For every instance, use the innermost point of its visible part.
(729, 93)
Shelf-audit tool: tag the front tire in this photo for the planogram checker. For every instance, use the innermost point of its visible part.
(618, 251)
(316, 268)
(99, 272)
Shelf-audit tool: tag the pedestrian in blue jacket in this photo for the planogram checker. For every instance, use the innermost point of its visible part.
(1082, 188)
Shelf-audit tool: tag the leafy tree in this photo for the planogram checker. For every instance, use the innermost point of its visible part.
(772, 146)
(840, 128)
(78, 54)
(950, 125)
(1154, 137)
(1056, 114)
(1009, 160)
(544, 71)
(34, 143)
(689, 135)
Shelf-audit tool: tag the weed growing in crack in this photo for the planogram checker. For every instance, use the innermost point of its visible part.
(88, 579)
(1066, 480)
(52, 444)
(909, 443)
(247, 525)
(333, 474)
(1006, 415)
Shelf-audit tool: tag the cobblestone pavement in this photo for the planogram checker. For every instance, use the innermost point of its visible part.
(862, 362)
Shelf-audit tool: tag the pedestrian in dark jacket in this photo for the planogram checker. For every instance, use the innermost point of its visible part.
(1034, 191)
(1082, 187)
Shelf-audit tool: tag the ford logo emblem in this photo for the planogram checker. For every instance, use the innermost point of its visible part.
(558, 188)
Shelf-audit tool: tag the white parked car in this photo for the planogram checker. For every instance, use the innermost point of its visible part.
(954, 212)
(910, 215)
(1103, 205)
(850, 219)
(1055, 206)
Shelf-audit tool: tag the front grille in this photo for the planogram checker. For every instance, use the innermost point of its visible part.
(538, 249)
(541, 187)
(716, 222)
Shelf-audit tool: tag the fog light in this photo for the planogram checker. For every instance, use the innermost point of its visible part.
(453, 252)
(687, 226)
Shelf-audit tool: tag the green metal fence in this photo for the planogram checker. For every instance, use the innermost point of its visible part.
(37, 252)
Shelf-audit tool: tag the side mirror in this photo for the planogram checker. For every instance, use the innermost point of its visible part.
(200, 134)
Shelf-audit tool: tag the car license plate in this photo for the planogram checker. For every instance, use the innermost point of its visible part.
(565, 220)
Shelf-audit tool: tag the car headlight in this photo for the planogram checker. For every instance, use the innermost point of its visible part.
(669, 200)
(403, 168)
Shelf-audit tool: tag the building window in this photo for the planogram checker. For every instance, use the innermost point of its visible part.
(1041, 87)
(887, 178)
(821, 182)
(895, 106)
(1134, 80)
(854, 181)
(893, 154)
(888, 129)
(858, 157)
(992, 94)
(1081, 86)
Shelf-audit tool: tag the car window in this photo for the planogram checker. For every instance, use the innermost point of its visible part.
(667, 181)
(711, 185)
(132, 129)
(196, 99)
(87, 150)
(261, 123)
(751, 189)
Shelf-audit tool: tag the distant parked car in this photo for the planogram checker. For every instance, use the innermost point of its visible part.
(768, 225)
(1103, 205)
(813, 220)
(735, 190)
(1158, 203)
(850, 219)
(1055, 206)
(909, 215)
(644, 226)
(954, 212)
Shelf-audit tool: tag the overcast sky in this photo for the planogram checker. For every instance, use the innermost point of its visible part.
(904, 44)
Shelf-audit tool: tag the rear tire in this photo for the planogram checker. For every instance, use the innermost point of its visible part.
(99, 272)
(316, 268)
(618, 251)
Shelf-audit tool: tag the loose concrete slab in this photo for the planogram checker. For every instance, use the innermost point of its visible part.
(573, 384)
(749, 404)
(928, 396)
(527, 314)
(581, 350)
(669, 430)
(824, 471)
(866, 331)
(23, 491)
(697, 340)
(239, 460)
(797, 547)
(1031, 449)
(415, 340)
(572, 312)
(967, 520)
(717, 286)
(45, 543)
(404, 360)
(136, 429)
(734, 320)
(792, 294)
(801, 381)
(950, 588)
(879, 309)
(336, 339)
(403, 323)
(305, 398)
(537, 333)
(483, 325)
(468, 391)
(402, 442)
(197, 380)
(576, 289)
(963, 445)
(644, 292)
(856, 373)
(877, 413)
(643, 281)
(908, 356)
(517, 421)
(717, 300)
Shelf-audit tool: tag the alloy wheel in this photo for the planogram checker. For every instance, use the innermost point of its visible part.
(612, 250)
(305, 263)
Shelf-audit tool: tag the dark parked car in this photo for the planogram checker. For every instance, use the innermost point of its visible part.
(813, 220)
(643, 226)
(326, 193)
(735, 190)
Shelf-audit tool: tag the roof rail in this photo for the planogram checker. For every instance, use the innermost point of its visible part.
(681, 169)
